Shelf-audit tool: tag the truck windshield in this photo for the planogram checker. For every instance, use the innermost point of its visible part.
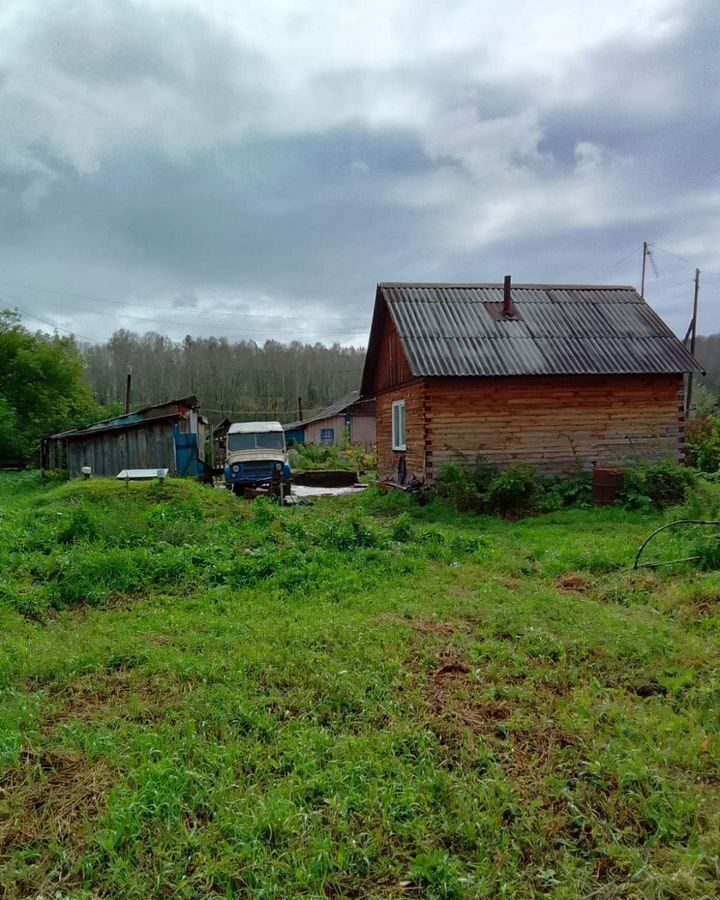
(266, 440)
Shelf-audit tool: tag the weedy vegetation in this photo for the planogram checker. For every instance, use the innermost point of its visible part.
(201, 696)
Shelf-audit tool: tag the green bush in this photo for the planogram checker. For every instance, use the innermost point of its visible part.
(512, 491)
(520, 490)
(455, 488)
(482, 488)
(402, 529)
(702, 442)
(657, 484)
(559, 493)
(79, 526)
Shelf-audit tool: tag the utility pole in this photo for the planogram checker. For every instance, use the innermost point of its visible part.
(642, 277)
(127, 390)
(300, 409)
(693, 335)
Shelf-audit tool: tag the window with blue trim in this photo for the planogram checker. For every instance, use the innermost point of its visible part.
(327, 435)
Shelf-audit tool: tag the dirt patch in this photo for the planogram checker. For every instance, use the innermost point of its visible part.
(451, 669)
(703, 608)
(124, 693)
(575, 583)
(45, 800)
(533, 751)
(453, 699)
(427, 625)
(645, 689)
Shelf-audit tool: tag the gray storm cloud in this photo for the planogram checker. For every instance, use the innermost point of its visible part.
(273, 161)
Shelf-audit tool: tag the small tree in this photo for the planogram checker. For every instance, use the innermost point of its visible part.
(42, 389)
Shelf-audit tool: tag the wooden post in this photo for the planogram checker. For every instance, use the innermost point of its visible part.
(300, 409)
(693, 335)
(127, 390)
(642, 277)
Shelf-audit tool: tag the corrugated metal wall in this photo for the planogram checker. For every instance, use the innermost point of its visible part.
(149, 446)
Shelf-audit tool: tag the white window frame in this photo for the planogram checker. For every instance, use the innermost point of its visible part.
(398, 425)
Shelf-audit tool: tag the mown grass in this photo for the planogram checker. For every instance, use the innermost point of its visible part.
(204, 697)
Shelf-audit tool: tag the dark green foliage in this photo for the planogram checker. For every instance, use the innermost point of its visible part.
(514, 490)
(559, 493)
(702, 442)
(655, 484)
(403, 529)
(519, 490)
(482, 488)
(42, 387)
(457, 488)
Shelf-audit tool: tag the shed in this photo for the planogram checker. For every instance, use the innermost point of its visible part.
(219, 438)
(350, 415)
(562, 377)
(167, 435)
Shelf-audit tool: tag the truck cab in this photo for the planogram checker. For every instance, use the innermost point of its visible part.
(255, 455)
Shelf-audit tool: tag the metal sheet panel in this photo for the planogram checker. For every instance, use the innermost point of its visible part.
(562, 330)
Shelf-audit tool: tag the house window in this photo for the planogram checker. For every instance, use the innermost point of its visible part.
(327, 436)
(398, 425)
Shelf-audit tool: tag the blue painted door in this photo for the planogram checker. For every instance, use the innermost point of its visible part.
(186, 454)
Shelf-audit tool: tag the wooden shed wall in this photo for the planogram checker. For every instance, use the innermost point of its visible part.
(392, 367)
(362, 429)
(148, 446)
(312, 431)
(413, 393)
(558, 424)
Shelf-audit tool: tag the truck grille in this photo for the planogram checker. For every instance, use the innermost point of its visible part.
(256, 471)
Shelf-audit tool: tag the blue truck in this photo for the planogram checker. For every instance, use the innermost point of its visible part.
(256, 456)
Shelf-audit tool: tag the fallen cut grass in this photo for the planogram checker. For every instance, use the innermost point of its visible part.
(205, 697)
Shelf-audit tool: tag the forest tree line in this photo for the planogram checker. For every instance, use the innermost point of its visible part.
(241, 380)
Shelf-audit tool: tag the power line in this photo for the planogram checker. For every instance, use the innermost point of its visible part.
(670, 253)
(616, 264)
(58, 328)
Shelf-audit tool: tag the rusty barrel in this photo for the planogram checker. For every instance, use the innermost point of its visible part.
(605, 485)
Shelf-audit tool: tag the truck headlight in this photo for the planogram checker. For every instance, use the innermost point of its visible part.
(235, 468)
(278, 466)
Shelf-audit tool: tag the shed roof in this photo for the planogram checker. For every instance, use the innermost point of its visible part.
(448, 330)
(339, 406)
(127, 420)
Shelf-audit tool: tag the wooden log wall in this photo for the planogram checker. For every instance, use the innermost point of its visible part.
(413, 393)
(559, 424)
(392, 367)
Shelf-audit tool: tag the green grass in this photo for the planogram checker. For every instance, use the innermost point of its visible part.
(201, 697)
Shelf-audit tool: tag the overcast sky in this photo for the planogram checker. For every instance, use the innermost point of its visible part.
(254, 167)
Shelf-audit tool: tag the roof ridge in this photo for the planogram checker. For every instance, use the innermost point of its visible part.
(515, 286)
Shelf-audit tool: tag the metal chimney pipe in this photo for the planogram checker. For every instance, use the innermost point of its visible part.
(507, 298)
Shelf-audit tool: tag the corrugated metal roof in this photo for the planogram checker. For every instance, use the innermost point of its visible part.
(447, 329)
(128, 419)
(334, 409)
